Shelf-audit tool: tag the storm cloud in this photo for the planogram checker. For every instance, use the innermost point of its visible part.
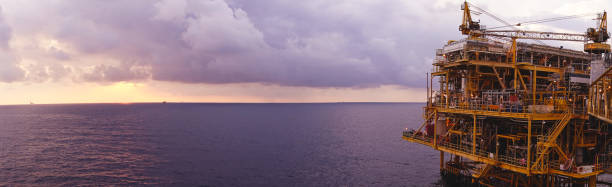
(9, 71)
(314, 43)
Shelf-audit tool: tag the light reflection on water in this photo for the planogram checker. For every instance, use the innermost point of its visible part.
(213, 145)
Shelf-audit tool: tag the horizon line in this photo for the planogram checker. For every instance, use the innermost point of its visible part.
(129, 103)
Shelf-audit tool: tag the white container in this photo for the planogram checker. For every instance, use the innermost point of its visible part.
(585, 169)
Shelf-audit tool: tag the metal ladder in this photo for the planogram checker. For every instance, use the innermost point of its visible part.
(548, 140)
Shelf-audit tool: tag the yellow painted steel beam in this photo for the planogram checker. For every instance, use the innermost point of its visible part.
(457, 132)
(446, 92)
(534, 85)
(511, 137)
(429, 115)
(454, 64)
(485, 160)
(609, 121)
(514, 168)
(561, 152)
(586, 145)
(540, 68)
(439, 73)
(535, 116)
(552, 92)
(483, 112)
(488, 74)
(522, 81)
(474, 135)
(521, 65)
(483, 172)
(499, 79)
(529, 146)
(489, 63)
(575, 175)
(419, 141)
(435, 134)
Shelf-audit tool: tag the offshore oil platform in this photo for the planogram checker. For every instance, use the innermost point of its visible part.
(509, 113)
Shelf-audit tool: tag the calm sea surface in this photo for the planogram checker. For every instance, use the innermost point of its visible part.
(344, 144)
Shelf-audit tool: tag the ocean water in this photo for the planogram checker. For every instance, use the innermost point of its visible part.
(340, 144)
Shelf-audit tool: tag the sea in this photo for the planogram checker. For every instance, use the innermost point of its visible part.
(213, 144)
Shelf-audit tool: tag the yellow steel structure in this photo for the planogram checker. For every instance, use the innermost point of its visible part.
(600, 93)
(517, 113)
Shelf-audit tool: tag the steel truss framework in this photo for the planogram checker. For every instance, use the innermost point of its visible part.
(494, 115)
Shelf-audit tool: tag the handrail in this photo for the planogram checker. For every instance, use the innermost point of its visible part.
(545, 141)
(483, 171)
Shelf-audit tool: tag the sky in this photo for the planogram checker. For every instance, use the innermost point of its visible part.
(125, 51)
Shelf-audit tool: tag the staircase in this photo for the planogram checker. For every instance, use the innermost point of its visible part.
(483, 171)
(547, 141)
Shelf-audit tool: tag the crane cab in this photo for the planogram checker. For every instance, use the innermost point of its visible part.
(597, 48)
(598, 36)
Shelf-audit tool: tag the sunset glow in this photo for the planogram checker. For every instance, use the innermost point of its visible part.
(183, 51)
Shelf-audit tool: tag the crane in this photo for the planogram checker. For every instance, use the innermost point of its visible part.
(595, 38)
(468, 24)
(599, 36)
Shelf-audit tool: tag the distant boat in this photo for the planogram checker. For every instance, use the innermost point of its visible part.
(164, 102)
(31, 103)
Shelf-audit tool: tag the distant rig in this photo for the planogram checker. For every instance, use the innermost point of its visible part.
(517, 114)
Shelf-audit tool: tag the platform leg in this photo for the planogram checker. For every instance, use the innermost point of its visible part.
(441, 161)
(593, 181)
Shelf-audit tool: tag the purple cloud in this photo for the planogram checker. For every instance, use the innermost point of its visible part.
(290, 43)
(9, 71)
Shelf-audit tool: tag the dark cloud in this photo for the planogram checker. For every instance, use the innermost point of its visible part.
(9, 71)
(290, 43)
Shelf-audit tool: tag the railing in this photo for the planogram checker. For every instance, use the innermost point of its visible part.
(546, 141)
(600, 95)
(525, 106)
(552, 134)
(456, 168)
(483, 171)
(467, 149)
(604, 162)
(554, 164)
(417, 136)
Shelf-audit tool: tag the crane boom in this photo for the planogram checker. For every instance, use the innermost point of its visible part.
(594, 39)
(467, 24)
(536, 35)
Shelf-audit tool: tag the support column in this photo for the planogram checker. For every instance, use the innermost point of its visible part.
(590, 100)
(474, 136)
(529, 146)
(598, 106)
(513, 52)
(605, 96)
(441, 160)
(596, 98)
(593, 181)
(431, 89)
(515, 75)
(427, 84)
(446, 92)
(533, 85)
(435, 130)
(529, 180)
